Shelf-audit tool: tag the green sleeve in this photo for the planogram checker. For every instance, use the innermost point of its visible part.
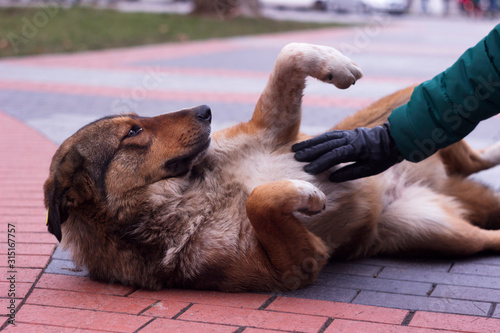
(445, 109)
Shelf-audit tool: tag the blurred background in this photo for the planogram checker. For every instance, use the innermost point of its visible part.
(77, 25)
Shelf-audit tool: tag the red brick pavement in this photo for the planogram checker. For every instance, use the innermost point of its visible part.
(54, 303)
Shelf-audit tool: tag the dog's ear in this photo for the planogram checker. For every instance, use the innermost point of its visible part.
(67, 187)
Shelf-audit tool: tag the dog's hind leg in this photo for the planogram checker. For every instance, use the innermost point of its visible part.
(481, 204)
(460, 159)
(424, 221)
(279, 107)
(295, 254)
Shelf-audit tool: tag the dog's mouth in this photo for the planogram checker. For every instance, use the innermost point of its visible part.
(181, 165)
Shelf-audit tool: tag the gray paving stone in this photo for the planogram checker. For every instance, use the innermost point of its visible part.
(476, 269)
(319, 292)
(61, 254)
(409, 274)
(375, 284)
(440, 265)
(352, 268)
(486, 260)
(467, 293)
(421, 303)
(496, 314)
(64, 267)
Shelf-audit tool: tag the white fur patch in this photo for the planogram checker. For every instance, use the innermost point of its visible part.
(417, 212)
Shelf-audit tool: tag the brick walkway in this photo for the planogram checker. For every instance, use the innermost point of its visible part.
(44, 99)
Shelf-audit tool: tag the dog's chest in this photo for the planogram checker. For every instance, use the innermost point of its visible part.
(261, 166)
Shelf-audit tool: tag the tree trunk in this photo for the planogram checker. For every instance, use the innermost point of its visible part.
(226, 8)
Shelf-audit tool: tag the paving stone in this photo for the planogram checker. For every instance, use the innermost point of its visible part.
(476, 269)
(166, 309)
(440, 277)
(239, 300)
(61, 254)
(25, 211)
(165, 325)
(65, 267)
(77, 318)
(321, 292)
(87, 301)
(352, 268)
(496, 313)
(253, 318)
(338, 310)
(16, 289)
(467, 293)
(455, 322)
(20, 219)
(27, 261)
(259, 330)
(491, 259)
(377, 284)
(34, 237)
(340, 325)
(81, 284)
(27, 248)
(23, 227)
(22, 274)
(423, 303)
(22, 328)
(415, 263)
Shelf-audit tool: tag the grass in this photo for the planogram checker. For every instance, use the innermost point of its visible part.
(28, 31)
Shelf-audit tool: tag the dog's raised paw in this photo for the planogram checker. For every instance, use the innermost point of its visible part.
(310, 199)
(336, 68)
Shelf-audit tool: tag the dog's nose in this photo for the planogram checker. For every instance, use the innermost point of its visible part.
(204, 113)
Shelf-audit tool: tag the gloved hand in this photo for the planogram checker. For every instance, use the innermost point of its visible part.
(372, 149)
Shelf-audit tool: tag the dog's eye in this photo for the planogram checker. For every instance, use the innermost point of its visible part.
(134, 131)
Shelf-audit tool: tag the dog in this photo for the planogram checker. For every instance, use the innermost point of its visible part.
(161, 202)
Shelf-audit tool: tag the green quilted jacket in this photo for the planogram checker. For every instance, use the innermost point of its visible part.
(445, 109)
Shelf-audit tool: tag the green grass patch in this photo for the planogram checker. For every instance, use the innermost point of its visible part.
(27, 31)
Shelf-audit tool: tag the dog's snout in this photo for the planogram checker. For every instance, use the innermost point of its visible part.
(203, 113)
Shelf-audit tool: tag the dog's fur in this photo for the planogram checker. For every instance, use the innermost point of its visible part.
(159, 202)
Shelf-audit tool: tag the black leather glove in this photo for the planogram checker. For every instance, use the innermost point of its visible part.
(372, 149)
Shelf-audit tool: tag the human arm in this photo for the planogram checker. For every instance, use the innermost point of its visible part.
(445, 109)
(441, 111)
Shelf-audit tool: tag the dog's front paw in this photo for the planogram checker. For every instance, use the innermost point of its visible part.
(322, 62)
(310, 200)
(336, 68)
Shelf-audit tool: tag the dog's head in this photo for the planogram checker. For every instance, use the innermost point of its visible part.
(109, 160)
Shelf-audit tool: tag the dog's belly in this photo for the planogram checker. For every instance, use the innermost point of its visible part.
(355, 209)
(259, 166)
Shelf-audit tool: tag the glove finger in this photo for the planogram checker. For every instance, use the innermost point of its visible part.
(336, 156)
(317, 140)
(312, 153)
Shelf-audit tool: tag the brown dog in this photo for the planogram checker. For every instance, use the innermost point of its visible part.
(158, 202)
